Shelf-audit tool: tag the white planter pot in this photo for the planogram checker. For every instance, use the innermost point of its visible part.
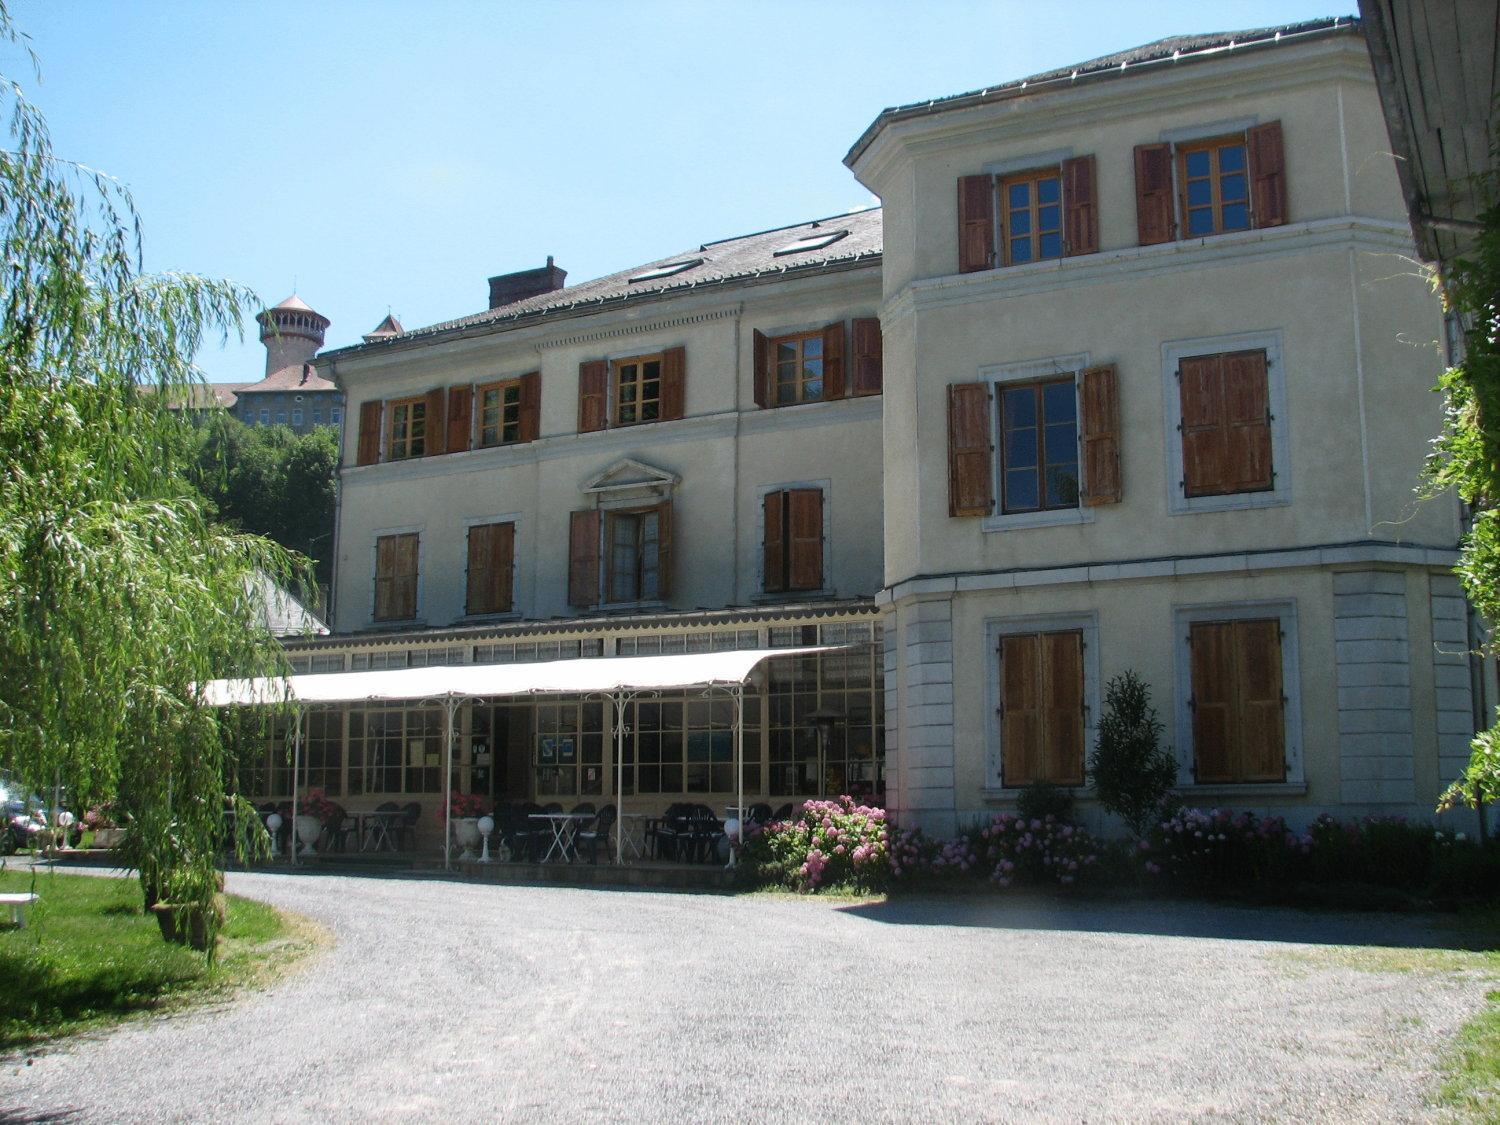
(107, 837)
(309, 828)
(466, 832)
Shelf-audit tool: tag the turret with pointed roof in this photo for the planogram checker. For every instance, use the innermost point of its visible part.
(292, 333)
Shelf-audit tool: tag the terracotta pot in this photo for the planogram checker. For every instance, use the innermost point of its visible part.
(188, 925)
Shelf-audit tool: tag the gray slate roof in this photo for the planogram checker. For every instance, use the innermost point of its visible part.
(1175, 49)
(730, 260)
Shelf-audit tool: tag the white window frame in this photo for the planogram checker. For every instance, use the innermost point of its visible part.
(265, 417)
(336, 415)
(997, 627)
(1173, 352)
(825, 486)
(516, 571)
(417, 618)
(297, 416)
(1032, 371)
(1285, 612)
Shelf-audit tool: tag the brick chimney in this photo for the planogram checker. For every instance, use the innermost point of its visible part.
(509, 288)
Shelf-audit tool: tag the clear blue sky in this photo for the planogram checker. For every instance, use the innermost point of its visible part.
(395, 155)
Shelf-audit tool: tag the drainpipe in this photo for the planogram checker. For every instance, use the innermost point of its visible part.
(338, 500)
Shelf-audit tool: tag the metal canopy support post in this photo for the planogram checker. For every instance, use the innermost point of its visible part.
(738, 696)
(296, 768)
(620, 703)
(450, 707)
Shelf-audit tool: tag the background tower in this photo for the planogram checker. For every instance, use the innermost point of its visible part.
(292, 334)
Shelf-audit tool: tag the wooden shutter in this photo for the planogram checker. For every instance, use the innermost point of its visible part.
(1212, 644)
(970, 483)
(1267, 174)
(1260, 720)
(1062, 708)
(762, 369)
(976, 223)
(460, 417)
(1020, 708)
(664, 551)
(1200, 389)
(491, 568)
(385, 574)
(804, 523)
(833, 360)
(368, 451)
(435, 423)
(1080, 206)
(593, 395)
(673, 383)
(1155, 217)
(531, 406)
(774, 542)
(1101, 435)
(868, 349)
(1247, 421)
(395, 577)
(583, 557)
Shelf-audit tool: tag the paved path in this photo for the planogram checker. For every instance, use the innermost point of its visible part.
(462, 1001)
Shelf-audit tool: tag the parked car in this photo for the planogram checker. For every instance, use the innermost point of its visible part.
(25, 818)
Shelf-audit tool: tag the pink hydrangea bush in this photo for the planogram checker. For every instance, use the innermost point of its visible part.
(1036, 851)
(919, 858)
(833, 843)
(1221, 848)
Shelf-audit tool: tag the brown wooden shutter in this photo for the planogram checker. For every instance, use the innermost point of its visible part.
(460, 417)
(477, 578)
(673, 384)
(976, 223)
(774, 543)
(1080, 206)
(1200, 388)
(1260, 719)
(583, 558)
(368, 451)
(1155, 215)
(1020, 708)
(593, 395)
(531, 406)
(435, 423)
(833, 360)
(664, 549)
(491, 568)
(1212, 645)
(762, 369)
(805, 538)
(970, 483)
(1247, 422)
(1101, 435)
(1267, 174)
(385, 576)
(1062, 708)
(868, 349)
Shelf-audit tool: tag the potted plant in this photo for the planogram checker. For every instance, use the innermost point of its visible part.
(314, 812)
(466, 809)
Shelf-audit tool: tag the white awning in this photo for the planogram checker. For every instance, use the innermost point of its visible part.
(479, 681)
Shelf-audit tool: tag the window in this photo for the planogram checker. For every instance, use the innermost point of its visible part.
(1214, 183)
(658, 272)
(281, 417)
(825, 717)
(490, 577)
(1042, 708)
(637, 389)
(395, 750)
(633, 551)
(569, 748)
(793, 543)
(810, 242)
(396, 577)
(297, 417)
(500, 413)
(1237, 705)
(265, 417)
(1226, 423)
(335, 415)
(1038, 446)
(798, 368)
(322, 758)
(1031, 216)
(408, 428)
(317, 418)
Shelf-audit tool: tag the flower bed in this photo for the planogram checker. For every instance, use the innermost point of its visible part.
(825, 843)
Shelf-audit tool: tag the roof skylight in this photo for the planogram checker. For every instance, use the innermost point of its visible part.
(812, 242)
(666, 271)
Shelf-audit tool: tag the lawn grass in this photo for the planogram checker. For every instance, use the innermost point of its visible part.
(1472, 1085)
(90, 956)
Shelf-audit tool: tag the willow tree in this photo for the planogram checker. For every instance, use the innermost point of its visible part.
(118, 591)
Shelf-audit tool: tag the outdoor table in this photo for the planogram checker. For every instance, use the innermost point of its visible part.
(374, 829)
(562, 840)
(633, 835)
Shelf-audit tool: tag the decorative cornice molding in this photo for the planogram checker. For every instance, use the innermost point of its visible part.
(661, 324)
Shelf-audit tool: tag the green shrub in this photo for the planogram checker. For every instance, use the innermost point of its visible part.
(1130, 772)
(1042, 799)
(825, 843)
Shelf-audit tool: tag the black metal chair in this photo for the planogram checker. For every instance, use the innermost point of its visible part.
(406, 831)
(666, 834)
(783, 813)
(523, 835)
(703, 832)
(598, 831)
(760, 813)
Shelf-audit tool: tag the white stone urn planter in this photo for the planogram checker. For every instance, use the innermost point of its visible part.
(309, 828)
(466, 832)
(108, 837)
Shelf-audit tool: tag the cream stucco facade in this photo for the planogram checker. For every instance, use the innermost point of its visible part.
(1336, 553)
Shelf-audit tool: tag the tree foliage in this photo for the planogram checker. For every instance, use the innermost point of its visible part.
(1131, 773)
(1466, 458)
(118, 592)
(272, 481)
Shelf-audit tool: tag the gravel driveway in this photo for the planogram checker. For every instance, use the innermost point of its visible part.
(474, 1001)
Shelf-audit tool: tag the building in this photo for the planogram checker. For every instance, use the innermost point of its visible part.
(1126, 373)
(292, 393)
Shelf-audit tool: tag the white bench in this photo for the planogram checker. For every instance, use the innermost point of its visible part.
(18, 905)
